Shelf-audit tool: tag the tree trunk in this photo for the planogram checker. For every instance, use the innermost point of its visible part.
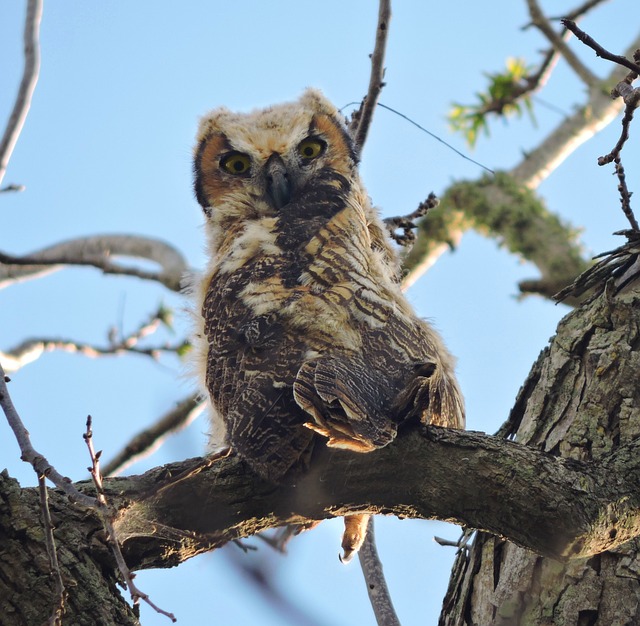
(581, 401)
(27, 595)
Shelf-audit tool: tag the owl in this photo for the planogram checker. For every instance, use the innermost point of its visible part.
(303, 335)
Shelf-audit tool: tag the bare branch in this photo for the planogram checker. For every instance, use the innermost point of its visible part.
(406, 222)
(599, 111)
(30, 455)
(364, 115)
(631, 99)
(599, 50)
(31, 349)
(98, 251)
(146, 441)
(27, 85)
(625, 195)
(377, 589)
(112, 539)
(582, 10)
(58, 609)
(542, 23)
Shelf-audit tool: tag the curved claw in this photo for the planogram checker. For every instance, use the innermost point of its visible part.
(355, 531)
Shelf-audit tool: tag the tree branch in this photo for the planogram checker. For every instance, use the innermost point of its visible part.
(558, 43)
(539, 237)
(30, 455)
(27, 85)
(146, 441)
(498, 207)
(374, 578)
(98, 251)
(599, 111)
(364, 115)
(598, 49)
(498, 487)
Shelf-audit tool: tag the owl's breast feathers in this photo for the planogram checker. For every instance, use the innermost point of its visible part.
(308, 331)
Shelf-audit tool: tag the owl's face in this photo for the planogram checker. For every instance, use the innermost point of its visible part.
(252, 165)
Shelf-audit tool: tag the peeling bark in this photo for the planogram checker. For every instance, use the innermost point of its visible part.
(580, 402)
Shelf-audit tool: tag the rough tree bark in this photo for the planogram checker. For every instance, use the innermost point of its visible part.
(581, 401)
(573, 491)
(88, 568)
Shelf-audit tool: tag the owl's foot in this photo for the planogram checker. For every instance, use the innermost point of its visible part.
(355, 531)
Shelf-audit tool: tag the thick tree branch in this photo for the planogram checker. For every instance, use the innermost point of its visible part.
(27, 86)
(559, 256)
(500, 208)
(98, 251)
(498, 487)
(599, 111)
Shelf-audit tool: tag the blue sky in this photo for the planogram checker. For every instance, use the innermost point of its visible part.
(107, 149)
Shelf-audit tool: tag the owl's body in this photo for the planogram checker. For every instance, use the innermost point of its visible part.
(304, 329)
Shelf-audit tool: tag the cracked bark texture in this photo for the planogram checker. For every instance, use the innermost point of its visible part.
(27, 594)
(580, 402)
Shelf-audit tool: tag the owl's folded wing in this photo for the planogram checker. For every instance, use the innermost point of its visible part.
(347, 401)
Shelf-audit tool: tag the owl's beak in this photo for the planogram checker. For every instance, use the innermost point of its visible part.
(278, 183)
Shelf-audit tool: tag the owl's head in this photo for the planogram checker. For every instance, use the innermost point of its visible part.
(251, 165)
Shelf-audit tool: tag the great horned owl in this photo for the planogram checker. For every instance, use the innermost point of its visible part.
(303, 333)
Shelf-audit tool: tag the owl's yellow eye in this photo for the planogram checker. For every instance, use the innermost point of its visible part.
(311, 148)
(236, 163)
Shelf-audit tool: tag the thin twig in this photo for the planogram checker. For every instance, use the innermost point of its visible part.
(30, 455)
(632, 100)
(127, 574)
(146, 441)
(588, 119)
(376, 80)
(556, 40)
(407, 222)
(27, 84)
(580, 11)
(58, 608)
(598, 49)
(625, 195)
(376, 583)
(30, 350)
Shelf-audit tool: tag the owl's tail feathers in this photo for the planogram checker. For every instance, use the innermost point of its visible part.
(355, 532)
(347, 402)
(433, 396)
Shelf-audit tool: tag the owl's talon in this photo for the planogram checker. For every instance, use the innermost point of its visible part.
(346, 557)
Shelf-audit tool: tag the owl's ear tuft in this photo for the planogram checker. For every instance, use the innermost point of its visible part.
(210, 123)
(318, 103)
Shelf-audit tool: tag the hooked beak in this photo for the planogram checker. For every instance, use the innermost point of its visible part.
(278, 183)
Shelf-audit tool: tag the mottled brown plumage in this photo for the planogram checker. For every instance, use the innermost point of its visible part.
(302, 327)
